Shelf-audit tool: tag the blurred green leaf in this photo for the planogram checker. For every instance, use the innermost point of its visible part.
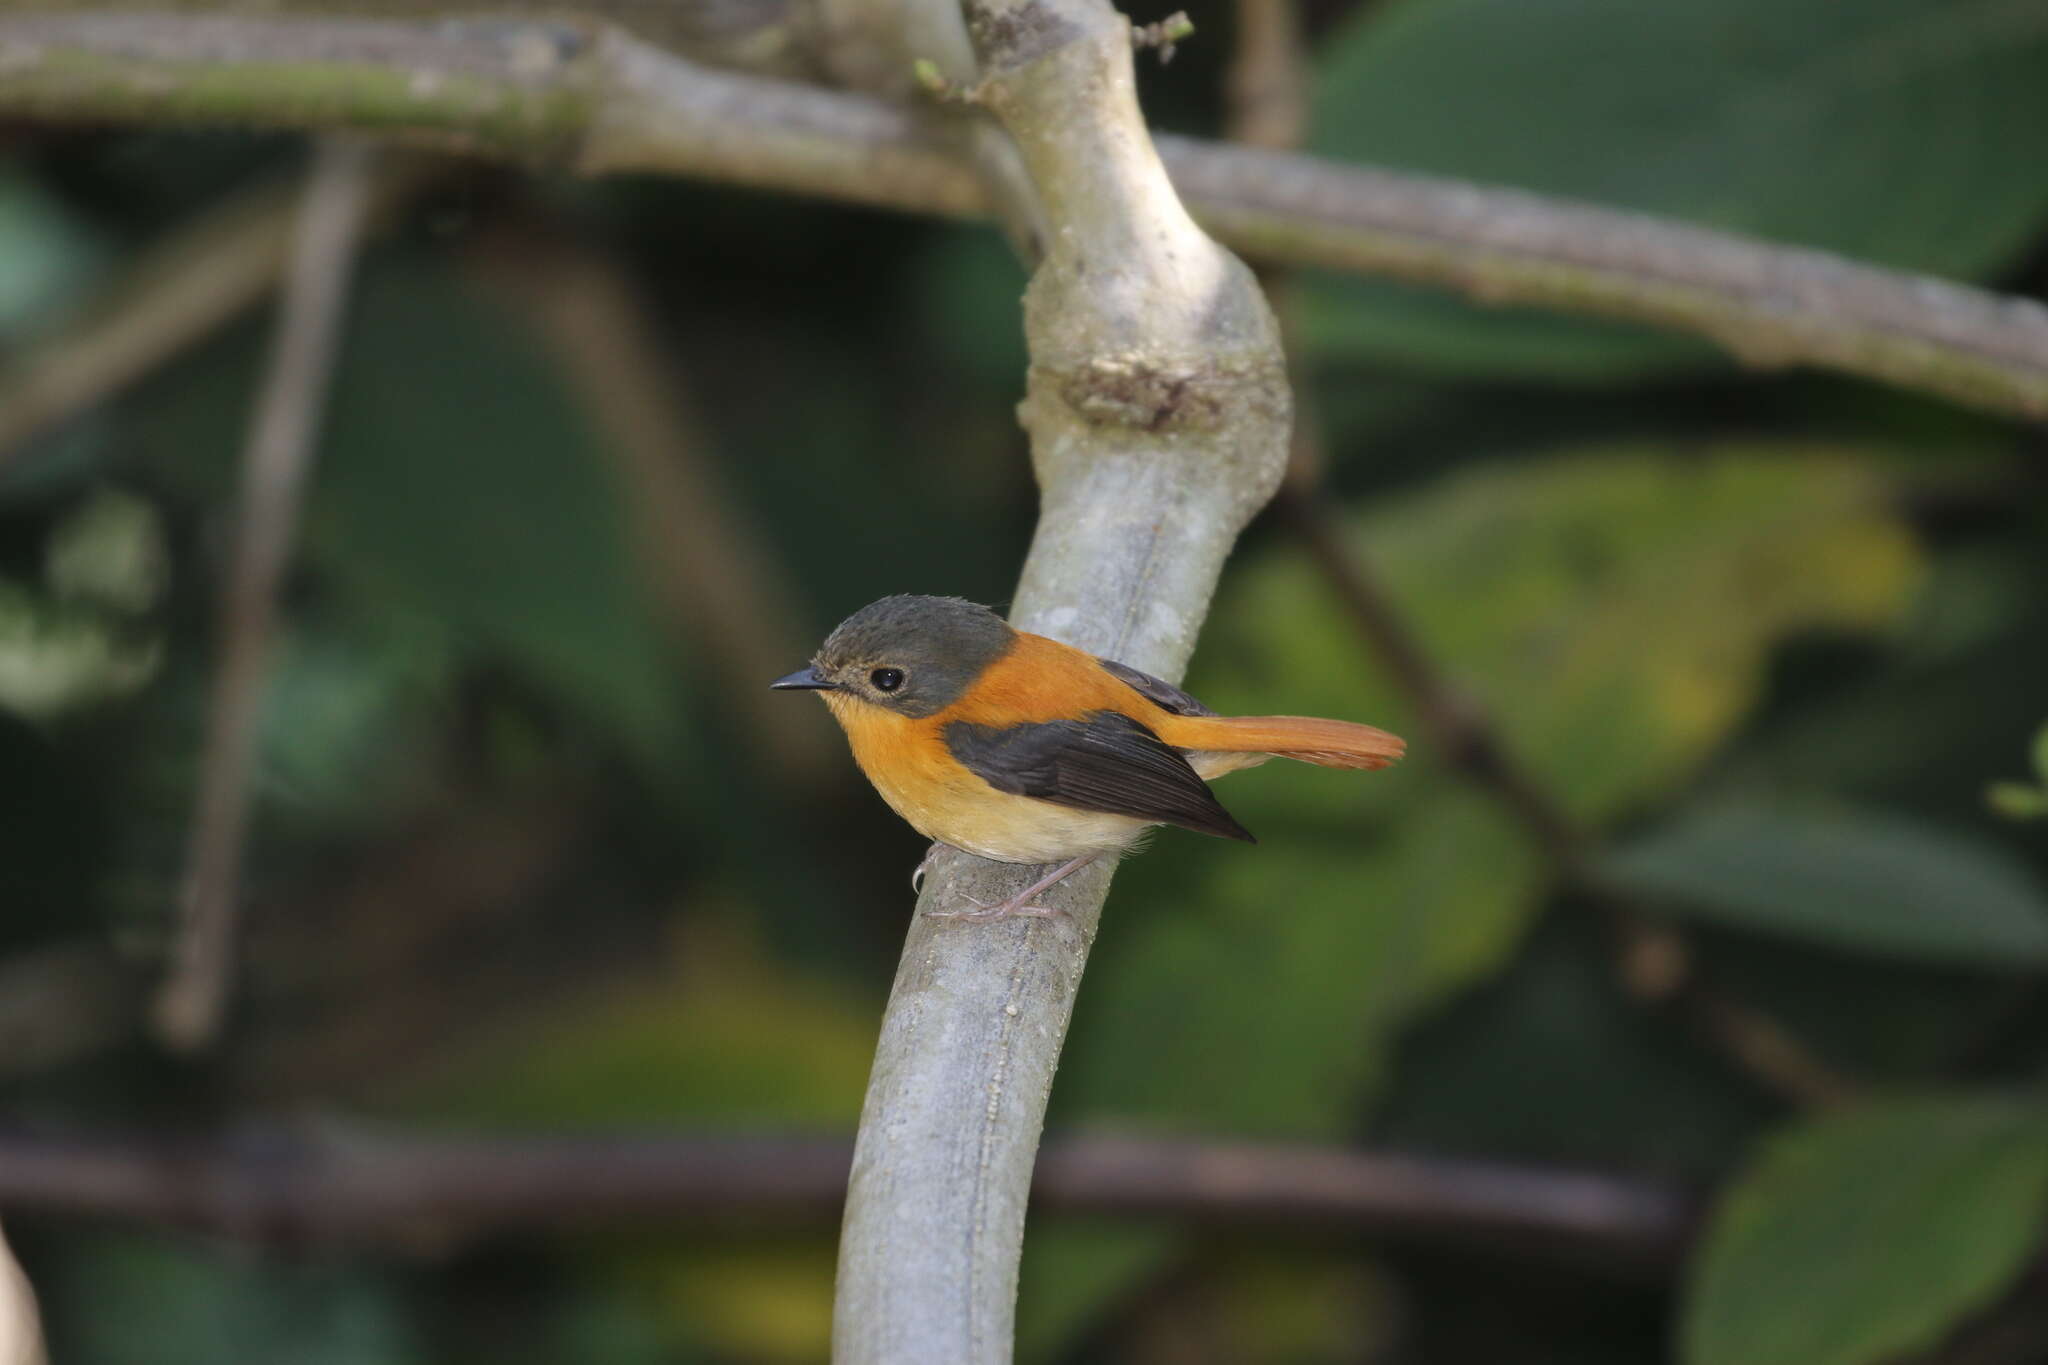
(1860, 1237)
(1286, 1304)
(104, 560)
(57, 657)
(1287, 969)
(1074, 1268)
(764, 1300)
(460, 481)
(718, 1033)
(1859, 129)
(601, 1324)
(1616, 609)
(2018, 801)
(1553, 1062)
(966, 292)
(1385, 324)
(348, 711)
(1908, 728)
(1857, 879)
(109, 551)
(133, 1300)
(47, 255)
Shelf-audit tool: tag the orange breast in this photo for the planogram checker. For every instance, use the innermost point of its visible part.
(907, 761)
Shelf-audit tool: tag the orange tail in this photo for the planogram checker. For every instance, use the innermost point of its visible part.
(1327, 743)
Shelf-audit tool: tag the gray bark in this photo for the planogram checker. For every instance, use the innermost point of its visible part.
(1158, 411)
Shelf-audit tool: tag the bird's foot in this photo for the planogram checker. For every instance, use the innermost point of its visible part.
(1019, 904)
(983, 910)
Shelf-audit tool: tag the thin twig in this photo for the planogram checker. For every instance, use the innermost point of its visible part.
(1654, 962)
(275, 465)
(334, 1183)
(593, 99)
(1266, 87)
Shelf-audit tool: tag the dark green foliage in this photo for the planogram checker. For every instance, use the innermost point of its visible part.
(1866, 129)
(1854, 879)
(528, 855)
(1862, 1236)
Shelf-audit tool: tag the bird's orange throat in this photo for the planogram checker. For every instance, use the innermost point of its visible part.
(905, 759)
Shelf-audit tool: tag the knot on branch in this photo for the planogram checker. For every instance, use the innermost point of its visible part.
(1006, 36)
(1143, 394)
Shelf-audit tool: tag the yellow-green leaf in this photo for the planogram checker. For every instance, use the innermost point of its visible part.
(1860, 1237)
(1614, 609)
(1857, 879)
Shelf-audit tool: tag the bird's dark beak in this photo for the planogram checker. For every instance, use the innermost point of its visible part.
(804, 678)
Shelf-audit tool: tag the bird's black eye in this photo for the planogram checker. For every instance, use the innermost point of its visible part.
(886, 679)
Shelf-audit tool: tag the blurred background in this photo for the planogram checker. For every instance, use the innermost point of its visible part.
(1707, 912)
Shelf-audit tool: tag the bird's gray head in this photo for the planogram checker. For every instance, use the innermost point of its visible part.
(912, 655)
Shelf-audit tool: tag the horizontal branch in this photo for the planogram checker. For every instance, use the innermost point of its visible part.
(595, 100)
(328, 1184)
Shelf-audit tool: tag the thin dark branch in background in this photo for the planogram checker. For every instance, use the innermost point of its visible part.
(1267, 83)
(333, 1184)
(593, 99)
(279, 454)
(1655, 964)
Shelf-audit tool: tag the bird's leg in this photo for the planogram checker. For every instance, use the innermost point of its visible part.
(917, 876)
(1020, 904)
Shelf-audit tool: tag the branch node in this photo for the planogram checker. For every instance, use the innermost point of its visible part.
(1164, 34)
(934, 83)
(1144, 394)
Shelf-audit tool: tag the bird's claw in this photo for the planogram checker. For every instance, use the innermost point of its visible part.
(923, 869)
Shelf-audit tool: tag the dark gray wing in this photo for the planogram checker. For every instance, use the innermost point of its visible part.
(1105, 761)
(1161, 694)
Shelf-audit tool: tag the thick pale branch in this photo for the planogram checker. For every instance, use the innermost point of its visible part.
(595, 99)
(1769, 305)
(1157, 407)
(587, 99)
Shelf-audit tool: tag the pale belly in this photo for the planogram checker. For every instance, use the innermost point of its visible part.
(1014, 829)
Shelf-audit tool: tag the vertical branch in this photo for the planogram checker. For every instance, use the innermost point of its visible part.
(1268, 78)
(1157, 407)
(275, 462)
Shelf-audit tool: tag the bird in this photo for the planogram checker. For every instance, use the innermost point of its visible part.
(1021, 749)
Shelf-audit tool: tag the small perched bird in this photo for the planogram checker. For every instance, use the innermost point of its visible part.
(1015, 747)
